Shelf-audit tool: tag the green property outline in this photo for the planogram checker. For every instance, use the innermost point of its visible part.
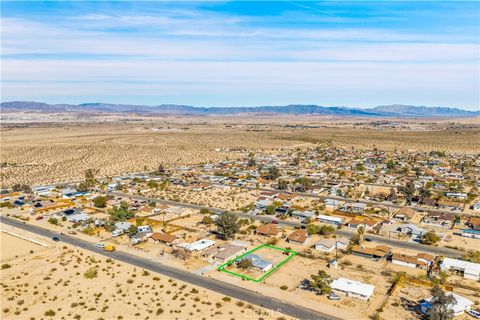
(222, 267)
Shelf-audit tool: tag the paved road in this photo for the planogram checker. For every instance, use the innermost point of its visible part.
(191, 278)
(343, 232)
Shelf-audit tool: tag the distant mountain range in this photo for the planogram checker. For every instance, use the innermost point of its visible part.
(395, 110)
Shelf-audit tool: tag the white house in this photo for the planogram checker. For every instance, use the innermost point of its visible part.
(328, 245)
(331, 204)
(197, 245)
(337, 221)
(469, 270)
(352, 288)
(461, 305)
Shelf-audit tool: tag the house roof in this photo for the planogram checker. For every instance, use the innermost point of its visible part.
(257, 261)
(299, 235)
(425, 256)
(409, 212)
(461, 264)
(407, 259)
(461, 303)
(347, 285)
(474, 221)
(331, 242)
(268, 229)
(163, 237)
(379, 251)
(329, 218)
(228, 250)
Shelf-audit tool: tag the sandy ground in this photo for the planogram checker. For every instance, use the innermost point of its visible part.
(53, 284)
(13, 247)
(46, 153)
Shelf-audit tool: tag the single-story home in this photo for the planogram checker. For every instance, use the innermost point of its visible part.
(421, 261)
(197, 245)
(469, 270)
(470, 233)
(474, 223)
(406, 214)
(411, 230)
(336, 221)
(328, 245)
(268, 230)
(258, 262)
(299, 236)
(302, 215)
(163, 237)
(356, 207)
(331, 204)
(224, 252)
(368, 224)
(460, 305)
(444, 220)
(379, 252)
(352, 288)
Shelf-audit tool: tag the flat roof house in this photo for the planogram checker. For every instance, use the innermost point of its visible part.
(352, 288)
(197, 245)
(336, 221)
(328, 245)
(258, 262)
(469, 270)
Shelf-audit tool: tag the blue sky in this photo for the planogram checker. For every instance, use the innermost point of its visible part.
(243, 53)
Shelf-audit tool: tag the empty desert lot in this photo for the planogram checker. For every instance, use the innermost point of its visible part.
(53, 152)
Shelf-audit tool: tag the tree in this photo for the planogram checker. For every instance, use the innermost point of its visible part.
(408, 190)
(251, 162)
(282, 184)
(361, 233)
(132, 230)
(100, 202)
(472, 256)
(152, 184)
(204, 211)
(90, 177)
(273, 173)
(304, 182)
(313, 229)
(430, 238)
(441, 305)
(245, 264)
(22, 187)
(53, 221)
(207, 220)
(326, 229)
(392, 196)
(320, 282)
(161, 168)
(227, 225)
(270, 210)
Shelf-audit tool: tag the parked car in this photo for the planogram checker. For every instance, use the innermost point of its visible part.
(333, 296)
(39, 218)
(474, 313)
(71, 232)
(368, 239)
(56, 239)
